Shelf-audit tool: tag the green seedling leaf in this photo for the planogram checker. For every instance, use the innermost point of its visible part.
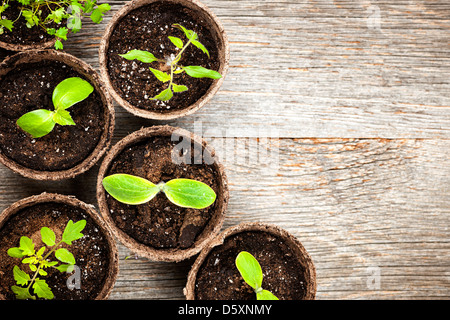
(40, 252)
(200, 72)
(65, 256)
(265, 295)
(143, 56)
(249, 269)
(61, 33)
(65, 268)
(201, 47)
(162, 76)
(22, 293)
(251, 272)
(191, 35)
(42, 272)
(130, 189)
(72, 231)
(20, 276)
(56, 15)
(42, 290)
(63, 118)
(48, 236)
(8, 24)
(179, 88)
(189, 193)
(15, 253)
(59, 45)
(30, 260)
(165, 95)
(177, 42)
(27, 246)
(38, 123)
(97, 14)
(30, 17)
(71, 91)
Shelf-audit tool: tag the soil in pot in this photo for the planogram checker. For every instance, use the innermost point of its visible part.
(159, 223)
(91, 252)
(218, 277)
(21, 34)
(5, 53)
(29, 87)
(147, 28)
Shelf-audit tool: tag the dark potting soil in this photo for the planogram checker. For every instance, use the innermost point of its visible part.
(30, 87)
(5, 53)
(159, 223)
(91, 252)
(147, 28)
(20, 33)
(218, 277)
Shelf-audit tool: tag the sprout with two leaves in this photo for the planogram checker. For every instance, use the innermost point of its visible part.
(251, 272)
(186, 193)
(68, 92)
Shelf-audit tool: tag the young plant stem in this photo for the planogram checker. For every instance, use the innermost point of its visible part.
(40, 264)
(174, 62)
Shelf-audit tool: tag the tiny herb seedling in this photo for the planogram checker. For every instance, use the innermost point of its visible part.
(251, 272)
(134, 190)
(68, 92)
(173, 63)
(37, 261)
(71, 10)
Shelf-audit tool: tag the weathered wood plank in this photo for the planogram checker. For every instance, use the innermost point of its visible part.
(325, 68)
(359, 206)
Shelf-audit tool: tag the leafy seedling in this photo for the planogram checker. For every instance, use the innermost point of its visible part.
(68, 92)
(34, 12)
(134, 190)
(173, 63)
(37, 262)
(251, 272)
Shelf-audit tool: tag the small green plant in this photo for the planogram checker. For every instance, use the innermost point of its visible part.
(134, 190)
(251, 272)
(173, 63)
(68, 92)
(37, 262)
(71, 10)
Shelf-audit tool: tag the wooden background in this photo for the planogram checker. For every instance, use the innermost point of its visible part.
(354, 98)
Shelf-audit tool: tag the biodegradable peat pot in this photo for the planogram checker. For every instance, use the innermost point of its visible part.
(158, 229)
(96, 253)
(288, 270)
(146, 25)
(27, 81)
(21, 37)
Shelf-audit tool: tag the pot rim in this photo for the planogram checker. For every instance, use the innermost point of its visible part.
(210, 230)
(25, 47)
(224, 58)
(91, 211)
(291, 240)
(85, 70)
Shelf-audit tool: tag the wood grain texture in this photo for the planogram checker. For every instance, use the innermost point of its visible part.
(326, 68)
(358, 161)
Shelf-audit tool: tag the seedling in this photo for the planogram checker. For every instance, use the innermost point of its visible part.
(173, 63)
(68, 92)
(134, 190)
(251, 272)
(38, 262)
(35, 14)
